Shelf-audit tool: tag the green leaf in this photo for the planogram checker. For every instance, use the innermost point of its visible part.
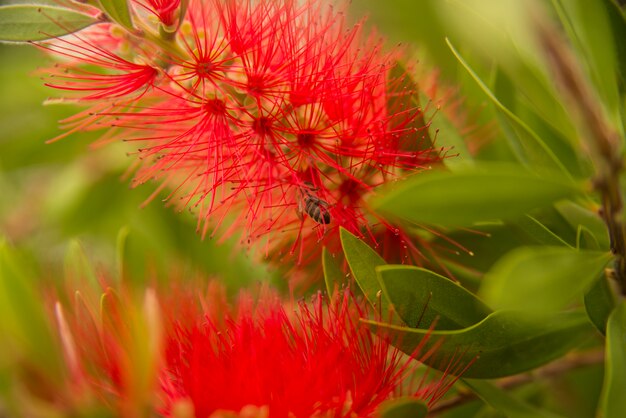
(400, 87)
(613, 401)
(541, 279)
(502, 401)
(77, 267)
(538, 232)
(527, 145)
(503, 344)
(600, 302)
(118, 11)
(577, 215)
(447, 135)
(480, 193)
(617, 17)
(586, 240)
(403, 408)
(363, 262)
(37, 22)
(589, 27)
(420, 297)
(121, 252)
(25, 328)
(333, 276)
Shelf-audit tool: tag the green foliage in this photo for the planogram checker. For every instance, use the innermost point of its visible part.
(333, 274)
(530, 149)
(510, 405)
(403, 408)
(473, 194)
(25, 326)
(600, 302)
(503, 344)
(613, 404)
(425, 299)
(459, 325)
(541, 279)
(363, 262)
(37, 22)
(118, 11)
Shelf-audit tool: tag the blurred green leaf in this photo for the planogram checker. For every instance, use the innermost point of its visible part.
(447, 135)
(541, 279)
(121, 255)
(403, 408)
(527, 145)
(502, 401)
(617, 18)
(78, 269)
(503, 344)
(577, 216)
(26, 331)
(539, 121)
(118, 11)
(586, 240)
(600, 302)
(422, 297)
(471, 195)
(588, 26)
(363, 261)
(613, 401)
(333, 276)
(400, 87)
(538, 232)
(36, 22)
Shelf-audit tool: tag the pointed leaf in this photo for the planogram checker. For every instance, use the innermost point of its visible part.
(402, 90)
(529, 147)
(503, 344)
(540, 279)
(24, 322)
(77, 267)
(363, 262)
(475, 194)
(504, 402)
(448, 136)
(333, 276)
(538, 232)
(600, 302)
(613, 401)
(577, 215)
(403, 408)
(118, 11)
(585, 240)
(420, 297)
(589, 27)
(37, 22)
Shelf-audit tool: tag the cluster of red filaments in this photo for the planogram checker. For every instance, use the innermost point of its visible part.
(272, 117)
(260, 357)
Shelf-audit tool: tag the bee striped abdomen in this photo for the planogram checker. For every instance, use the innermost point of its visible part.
(317, 209)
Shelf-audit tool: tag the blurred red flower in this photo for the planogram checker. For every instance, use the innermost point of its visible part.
(186, 354)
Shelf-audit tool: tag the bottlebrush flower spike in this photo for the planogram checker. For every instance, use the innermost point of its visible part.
(320, 361)
(271, 116)
(179, 350)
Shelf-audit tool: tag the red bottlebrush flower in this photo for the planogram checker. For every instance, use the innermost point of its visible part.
(271, 116)
(320, 361)
(181, 350)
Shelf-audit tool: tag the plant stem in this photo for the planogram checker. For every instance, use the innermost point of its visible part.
(599, 137)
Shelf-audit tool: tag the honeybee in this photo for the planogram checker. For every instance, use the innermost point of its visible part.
(313, 206)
